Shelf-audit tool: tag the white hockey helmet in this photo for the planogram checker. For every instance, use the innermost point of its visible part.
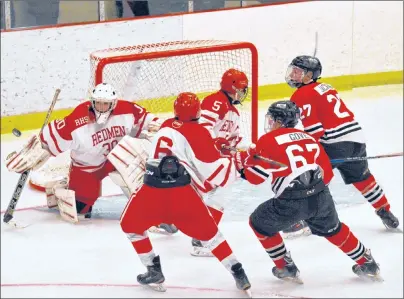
(103, 100)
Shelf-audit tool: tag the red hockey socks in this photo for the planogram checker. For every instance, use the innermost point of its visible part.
(221, 250)
(216, 214)
(349, 244)
(274, 246)
(143, 247)
(373, 193)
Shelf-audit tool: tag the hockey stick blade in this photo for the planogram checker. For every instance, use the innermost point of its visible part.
(17, 225)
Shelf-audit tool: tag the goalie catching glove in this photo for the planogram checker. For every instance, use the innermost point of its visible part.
(32, 156)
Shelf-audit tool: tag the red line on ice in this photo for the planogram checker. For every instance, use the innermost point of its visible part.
(124, 286)
(43, 206)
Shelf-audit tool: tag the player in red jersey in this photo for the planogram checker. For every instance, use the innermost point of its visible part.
(184, 158)
(301, 192)
(326, 117)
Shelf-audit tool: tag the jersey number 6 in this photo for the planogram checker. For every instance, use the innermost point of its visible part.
(295, 159)
(163, 147)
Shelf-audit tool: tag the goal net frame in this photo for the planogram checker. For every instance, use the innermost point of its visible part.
(145, 52)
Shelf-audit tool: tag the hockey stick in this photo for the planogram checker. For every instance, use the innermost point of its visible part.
(8, 215)
(352, 159)
(315, 45)
(272, 162)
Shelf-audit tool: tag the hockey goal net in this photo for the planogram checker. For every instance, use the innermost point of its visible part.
(154, 74)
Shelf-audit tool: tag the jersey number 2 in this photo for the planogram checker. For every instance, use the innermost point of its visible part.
(337, 107)
(294, 159)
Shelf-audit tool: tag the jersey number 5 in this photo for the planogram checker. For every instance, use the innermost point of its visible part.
(294, 159)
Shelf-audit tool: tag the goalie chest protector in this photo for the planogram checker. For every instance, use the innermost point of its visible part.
(166, 173)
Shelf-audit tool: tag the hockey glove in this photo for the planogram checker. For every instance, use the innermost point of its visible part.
(220, 144)
(32, 156)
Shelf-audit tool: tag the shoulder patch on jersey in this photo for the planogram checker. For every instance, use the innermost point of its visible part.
(322, 88)
(177, 124)
(80, 115)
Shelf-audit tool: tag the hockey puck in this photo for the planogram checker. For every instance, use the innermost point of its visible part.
(16, 132)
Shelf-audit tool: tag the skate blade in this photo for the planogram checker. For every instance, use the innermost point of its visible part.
(157, 230)
(197, 251)
(394, 230)
(248, 293)
(301, 233)
(157, 287)
(296, 280)
(376, 278)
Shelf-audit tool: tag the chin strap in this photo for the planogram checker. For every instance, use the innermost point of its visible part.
(101, 118)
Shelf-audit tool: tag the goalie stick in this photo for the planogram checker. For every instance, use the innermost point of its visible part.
(8, 215)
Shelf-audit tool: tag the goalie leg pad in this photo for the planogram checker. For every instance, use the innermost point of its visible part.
(129, 158)
(66, 200)
(118, 180)
(50, 188)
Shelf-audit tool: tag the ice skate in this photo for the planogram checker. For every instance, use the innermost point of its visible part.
(288, 273)
(199, 250)
(154, 277)
(389, 220)
(241, 278)
(299, 229)
(370, 269)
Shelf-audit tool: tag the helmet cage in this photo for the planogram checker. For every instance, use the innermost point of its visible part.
(240, 94)
(294, 76)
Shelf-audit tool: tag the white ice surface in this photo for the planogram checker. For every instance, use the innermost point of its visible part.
(51, 258)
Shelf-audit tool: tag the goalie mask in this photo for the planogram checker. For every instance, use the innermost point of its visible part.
(235, 84)
(103, 100)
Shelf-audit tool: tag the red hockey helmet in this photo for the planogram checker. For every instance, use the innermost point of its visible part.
(187, 107)
(235, 83)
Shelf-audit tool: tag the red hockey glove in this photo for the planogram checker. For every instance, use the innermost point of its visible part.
(246, 158)
(220, 142)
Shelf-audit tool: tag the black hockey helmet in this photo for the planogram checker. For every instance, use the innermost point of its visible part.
(284, 112)
(299, 67)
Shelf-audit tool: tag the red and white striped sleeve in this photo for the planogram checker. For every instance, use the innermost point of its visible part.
(212, 111)
(212, 169)
(56, 136)
(142, 119)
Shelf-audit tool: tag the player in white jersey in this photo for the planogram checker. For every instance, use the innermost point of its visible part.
(90, 132)
(222, 119)
(219, 112)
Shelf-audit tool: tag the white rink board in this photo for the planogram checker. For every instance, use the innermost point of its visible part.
(354, 37)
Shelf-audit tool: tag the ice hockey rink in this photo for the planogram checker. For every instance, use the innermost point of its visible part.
(52, 258)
